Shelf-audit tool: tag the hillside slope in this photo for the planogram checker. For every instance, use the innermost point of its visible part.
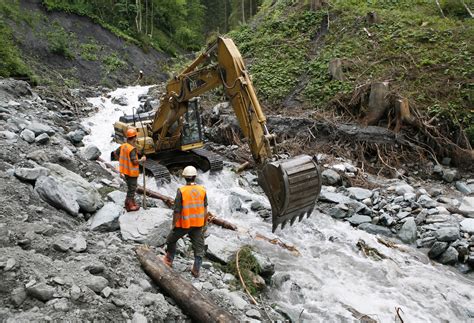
(63, 48)
(424, 57)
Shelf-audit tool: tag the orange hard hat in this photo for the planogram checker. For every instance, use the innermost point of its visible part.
(131, 133)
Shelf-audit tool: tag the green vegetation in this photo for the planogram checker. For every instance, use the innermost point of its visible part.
(427, 58)
(90, 50)
(112, 62)
(60, 41)
(248, 267)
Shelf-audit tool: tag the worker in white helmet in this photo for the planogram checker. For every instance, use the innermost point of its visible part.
(189, 218)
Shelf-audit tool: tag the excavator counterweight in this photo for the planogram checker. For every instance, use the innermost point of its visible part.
(173, 136)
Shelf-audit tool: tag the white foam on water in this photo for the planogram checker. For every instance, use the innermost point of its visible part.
(331, 274)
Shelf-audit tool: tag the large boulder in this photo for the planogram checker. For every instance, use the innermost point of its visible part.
(40, 128)
(56, 194)
(107, 218)
(449, 257)
(359, 193)
(467, 206)
(467, 225)
(448, 234)
(31, 174)
(41, 291)
(408, 231)
(221, 250)
(85, 194)
(149, 226)
(91, 152)
(28, 136)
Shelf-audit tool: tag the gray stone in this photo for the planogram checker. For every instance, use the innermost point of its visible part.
(338, 212)
(237, 300)
(446, 161)
(18, 296)
(330, 177)
(467, 206)
(149, 226)
(11, 263)
(449, 257)
(447, 234)
(409, 197)
(91, 152)
(56, 194)
(449, 175)
(221, 250)
(62, 245)
(139, 318)
(463, 187)
(8, 135)
(357, 219)
(40, 128)
(145, 285)
(85, 194)
(75, 292)
(106, 292)
(403, 189)
(387, 220)
(41, 291)
(408, 231)
(42, 139)
(107, 218)
(28, 136)
(437, 249)
(279, 279)
(256, 206)
(427, 202)
(375, 229)
(96, 283)
(235, 204)
(359, 193)
(402, 215)
(76, 136)
(332, 197)
(61, 305)
(253, 314)
(267, 268)
(228, 278)
(121, 100)
(79, 243)
(117, 197)
(95, 268)
(467, 225)
(31, 174)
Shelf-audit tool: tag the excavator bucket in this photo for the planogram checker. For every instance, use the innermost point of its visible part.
(292, 186)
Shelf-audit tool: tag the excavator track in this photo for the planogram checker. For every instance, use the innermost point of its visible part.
(159, 172)
(215, 161)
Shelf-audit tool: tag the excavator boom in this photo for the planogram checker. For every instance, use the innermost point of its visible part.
(292, 185)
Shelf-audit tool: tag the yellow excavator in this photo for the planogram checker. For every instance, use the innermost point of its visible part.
(172, 135)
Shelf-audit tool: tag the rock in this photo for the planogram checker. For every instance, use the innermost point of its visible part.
(79, 243)
(409, 197)
(449, 257)
(338, 212)
(359, 193)
(76, 136)
(330, 177)
(145, 285)
(53, 192)
(253, 314)
(267, 268)
(106, 292)
(467, 225)
(449, 175)
(437, 249)
(38, 155)
(85, 194)
(65, 154)
(357, 219)
(11, 263)
(28, 136)
(228, 278)
(237, 300)
(41, 291)
(463, 187)
(42, 139)
(75, 292)
(402, 215)
(121, 100)
(467, 206)
(96, 283)
(8, 135)
(221, 250)
(107, 218)
(31, 174)
(447, 234)
(403, 189)
(256, 206)
(39, 128)
(279, 279)
(139, 318)
(408, 231)
(95, 268)
(387, 220)
(91, 152)
(117, 197)
(333, 197)
(149, 226)
(18, 296)
(375, 229)
(235, 204)
(61, 305)
(62, 245)
(426, 202)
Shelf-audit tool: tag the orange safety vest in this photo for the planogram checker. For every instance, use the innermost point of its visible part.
(193, 210)
(125, 163)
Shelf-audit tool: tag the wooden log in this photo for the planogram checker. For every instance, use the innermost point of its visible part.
(191, 301)
(378, 102)
(242, 167)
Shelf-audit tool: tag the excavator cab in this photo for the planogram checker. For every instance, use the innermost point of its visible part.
(191, 134)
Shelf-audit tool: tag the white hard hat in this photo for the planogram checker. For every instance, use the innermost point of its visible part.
(189, 171)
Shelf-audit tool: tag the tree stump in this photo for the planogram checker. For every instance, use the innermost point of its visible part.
(372, 18)
(335, 69)
(378, 102)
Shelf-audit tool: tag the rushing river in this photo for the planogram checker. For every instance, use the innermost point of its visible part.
(331, 275)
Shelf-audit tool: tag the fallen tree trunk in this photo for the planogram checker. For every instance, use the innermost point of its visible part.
(195, 304)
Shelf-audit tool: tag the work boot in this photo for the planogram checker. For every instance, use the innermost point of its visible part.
(135, 206)
(168, 259)
(196, 266)
(128, 205)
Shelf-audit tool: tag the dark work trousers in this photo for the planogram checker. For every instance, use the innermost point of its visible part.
(195, 234)
(132, 183)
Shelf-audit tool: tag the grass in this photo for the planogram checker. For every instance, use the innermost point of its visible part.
(90, 51)
(247, 264)
(113, 62)
(427, 58)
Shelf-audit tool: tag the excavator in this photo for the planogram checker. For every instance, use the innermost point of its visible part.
(172, 135)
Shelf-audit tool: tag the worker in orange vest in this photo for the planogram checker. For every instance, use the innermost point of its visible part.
(189, 218)
(128, 167)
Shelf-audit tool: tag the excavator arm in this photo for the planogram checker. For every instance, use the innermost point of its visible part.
(291, 185)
